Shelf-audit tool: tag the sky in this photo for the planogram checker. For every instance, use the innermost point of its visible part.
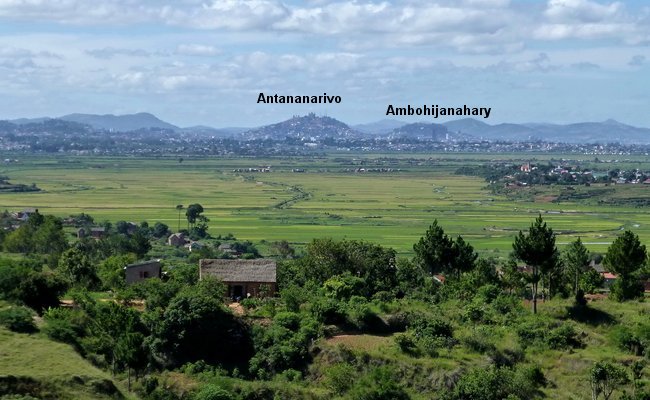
(204, 62)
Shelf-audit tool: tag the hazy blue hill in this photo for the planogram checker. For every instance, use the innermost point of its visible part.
(203, 130)
(582, 132)
(23, 121)
(128, 122)
(421, 131)
(467, 125)
(381, 127)
(306, 126)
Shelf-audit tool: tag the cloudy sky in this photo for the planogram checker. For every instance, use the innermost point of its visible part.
(204, 62)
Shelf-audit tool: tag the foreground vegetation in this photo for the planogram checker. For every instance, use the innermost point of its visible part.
(352, 319)
(404, 280)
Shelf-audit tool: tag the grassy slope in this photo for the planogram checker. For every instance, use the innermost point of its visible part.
(54, 365)
(566, 371)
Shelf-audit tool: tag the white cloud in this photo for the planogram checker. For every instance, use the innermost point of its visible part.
(585, 19)
(582, 10)
(199, 50)
(107, 53)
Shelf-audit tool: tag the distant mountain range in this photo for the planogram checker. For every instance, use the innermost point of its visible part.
(305, 127)
(583, 132)
(379, 127)
(130, 122)
(109, 122)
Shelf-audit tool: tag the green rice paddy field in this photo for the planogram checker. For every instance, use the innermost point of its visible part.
(327, 200)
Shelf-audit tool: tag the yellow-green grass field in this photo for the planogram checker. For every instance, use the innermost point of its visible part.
(51, 369)
(393, 209)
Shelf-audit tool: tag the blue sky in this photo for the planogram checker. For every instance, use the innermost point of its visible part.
(194, 62)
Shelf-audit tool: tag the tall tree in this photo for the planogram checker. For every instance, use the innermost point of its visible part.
(192, 213)
(605, 377)
(434, 249)
(625, 257)
(537, 249)
(576, 259)
(77, 268)
(512, 278)
(463, 257)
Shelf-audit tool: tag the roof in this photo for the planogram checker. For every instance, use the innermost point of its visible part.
(258, 270)
(608, 275)
(142, 263)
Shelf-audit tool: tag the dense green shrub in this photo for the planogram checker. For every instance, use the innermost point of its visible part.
(399, 321)
(626, 289)
(506, 303)
(635, 340)
(425, 327)
(18, 319)
(283, 345)
(547, 334)
(360, 316)
(562, 337)
(212, 392)
(37, 290)
(487, 294)
(379, 384)
(339, 377)
(474, 312)
(497, 383)
(479, 340)
(65, 325)
(406, 342)
(328, 311)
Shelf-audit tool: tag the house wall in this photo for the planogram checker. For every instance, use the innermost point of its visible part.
(256, 289)
(141, 272)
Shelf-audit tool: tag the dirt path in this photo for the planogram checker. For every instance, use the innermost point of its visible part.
(237, 309)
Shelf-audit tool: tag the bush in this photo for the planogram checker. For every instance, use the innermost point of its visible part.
(496, 383)
(506, 303)
(65, 325)
(543, 333)
(328, 311)
(287, 320)
(430, 346)
(379, 384)
(626, 289)
(474, 312)
(339, 378)
(432, 328)
(361, 317)
(383, 296)
(479, 341)
(562, 337)
(406, 342)
(212, 392)
(18, 319)
(487, 294)
(636, 339)
(250, 303)
(399, 321)
(61, 331)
